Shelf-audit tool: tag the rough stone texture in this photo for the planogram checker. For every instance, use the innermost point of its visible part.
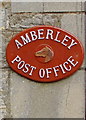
(61, 99)
(4, 73)
(26, 20)
(0, 50)
(18, 22)
(23, 98)
(4, 93)
(1, 16)
(6, 36)
(2, 104)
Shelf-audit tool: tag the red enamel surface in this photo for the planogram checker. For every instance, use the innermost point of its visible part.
(61, 54)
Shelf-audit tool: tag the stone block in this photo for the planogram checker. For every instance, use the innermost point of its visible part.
(0, 51)
(6, 37)
(52, 19)
(63, 6)
(17, 7)
(46, 6)
(17, 22)
(2, 113)
(1, 80)
(63, 99)
(2, 104)
(3, 93)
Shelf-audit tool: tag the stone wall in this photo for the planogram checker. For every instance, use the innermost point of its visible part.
(22, 98)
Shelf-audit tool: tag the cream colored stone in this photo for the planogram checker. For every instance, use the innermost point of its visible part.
(48, 6)
(63, 99)
(63, 6)
(26, 7)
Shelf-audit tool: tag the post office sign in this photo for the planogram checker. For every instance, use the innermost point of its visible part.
(45, 53)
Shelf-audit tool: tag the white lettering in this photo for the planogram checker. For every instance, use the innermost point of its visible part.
(48, 72)
(33, 35)
(68, 69)
(21, 65)
(18, 44)
(55, 70)
(40, 32)
(72, 44)
(56, 39)
(49, 33)
(65, 40)
(17, 59)
(25, 40)
(71, 61)
(32, 69)
(41, 73)
(26, 67)
(62, 69)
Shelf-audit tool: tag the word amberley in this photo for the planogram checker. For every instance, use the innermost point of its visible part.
(50, 35)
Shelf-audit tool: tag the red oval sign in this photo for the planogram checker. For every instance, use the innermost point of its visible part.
(44, 53)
